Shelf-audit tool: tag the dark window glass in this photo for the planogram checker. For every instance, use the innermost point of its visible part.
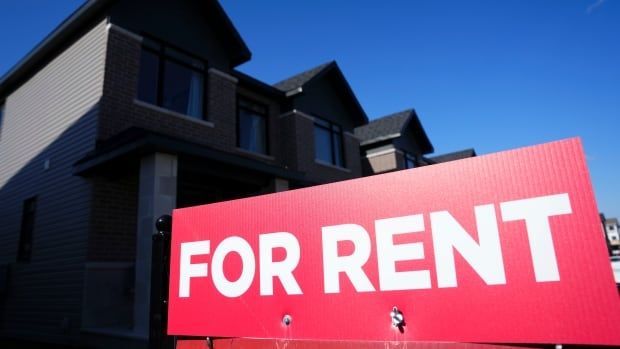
(409, 161)
(328, 143)
(171, 79)
(149, 70)
(24, 251)
(322, 144)
(322, 123)
(337, 144)
(184, 59)
(252, 127)
(182, 90)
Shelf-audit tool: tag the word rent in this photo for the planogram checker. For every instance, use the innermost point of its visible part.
(484, 256)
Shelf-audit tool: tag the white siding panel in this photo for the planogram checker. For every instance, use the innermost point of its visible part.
(52, 116)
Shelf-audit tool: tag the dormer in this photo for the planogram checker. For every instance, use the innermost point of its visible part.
(321, 111)
(393, 142)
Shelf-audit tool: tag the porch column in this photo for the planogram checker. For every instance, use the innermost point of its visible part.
(280, 184)
(157, 196)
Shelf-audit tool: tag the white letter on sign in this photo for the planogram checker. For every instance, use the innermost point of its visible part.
(283, 269)
(248, 267)
(388, 254)
(484, 257)
(536, 213)
(333, 264)
(189, 270)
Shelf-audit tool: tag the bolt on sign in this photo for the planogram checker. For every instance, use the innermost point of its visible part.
(502, 248)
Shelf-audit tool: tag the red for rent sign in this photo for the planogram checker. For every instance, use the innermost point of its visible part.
(503, 248)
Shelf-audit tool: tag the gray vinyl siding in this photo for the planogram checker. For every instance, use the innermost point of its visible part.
(52, 116)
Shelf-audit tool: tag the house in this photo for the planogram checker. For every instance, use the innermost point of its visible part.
(453, 156)
(393, 142)
(612, 233)
(127, 110)
(397, 142)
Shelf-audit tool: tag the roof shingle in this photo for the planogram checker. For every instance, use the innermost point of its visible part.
(300, 79)
(386, 127)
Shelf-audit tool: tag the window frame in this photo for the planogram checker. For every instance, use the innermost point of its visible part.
(408, 157)
(265, 117)
(162, 56)
(334, 130)
(26, 232)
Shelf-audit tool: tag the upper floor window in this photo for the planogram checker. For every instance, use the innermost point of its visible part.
(328, 142)
(409, 161)
(172, 79)
(25, 235)
(252, 126)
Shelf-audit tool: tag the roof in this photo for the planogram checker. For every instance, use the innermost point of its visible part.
(457, 155)
(257, 84)
(136, 142)
(383, 128)
(301, 79)
(86, 15)
(392, 126)
(304, 79)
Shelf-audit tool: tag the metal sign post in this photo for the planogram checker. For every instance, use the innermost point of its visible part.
(160, 278)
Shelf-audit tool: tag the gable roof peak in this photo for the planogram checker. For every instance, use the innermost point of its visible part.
(392, 126)
(298, 80)
(295, 85)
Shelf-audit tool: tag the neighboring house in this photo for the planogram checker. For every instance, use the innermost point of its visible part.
(457, 155)
(393, 142)
(397, 142)
(129, 109)
(322, 97)
(613, 235)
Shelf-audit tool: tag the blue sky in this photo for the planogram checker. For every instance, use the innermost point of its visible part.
(492, 75)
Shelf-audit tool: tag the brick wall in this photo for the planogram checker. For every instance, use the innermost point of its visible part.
(291, 137)
(287, 124)
(298, 147)
(114, 218)
(275, 131)
(119, 109)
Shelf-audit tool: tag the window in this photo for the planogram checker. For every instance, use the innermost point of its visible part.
(328, 142)
(409, 161)
(252, 126)
(25, 236)
(172, 79)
